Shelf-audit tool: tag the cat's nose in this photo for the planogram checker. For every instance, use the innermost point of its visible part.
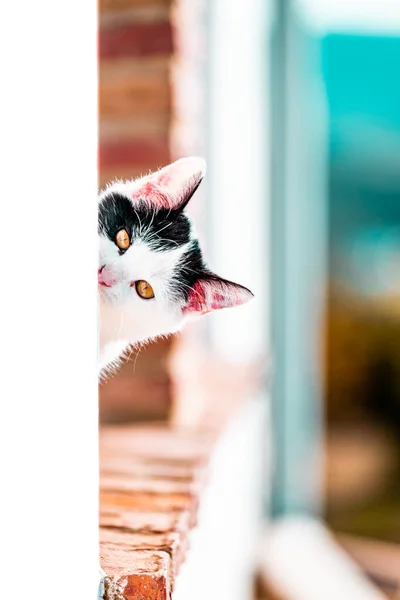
(106, 277)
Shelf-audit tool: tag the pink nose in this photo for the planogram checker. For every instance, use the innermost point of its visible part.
(106, 277)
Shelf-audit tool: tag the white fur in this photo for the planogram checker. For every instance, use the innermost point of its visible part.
(126, 318)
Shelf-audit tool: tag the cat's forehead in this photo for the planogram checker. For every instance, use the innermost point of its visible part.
(162, 228)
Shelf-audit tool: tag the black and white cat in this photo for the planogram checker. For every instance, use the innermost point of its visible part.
(152, 276)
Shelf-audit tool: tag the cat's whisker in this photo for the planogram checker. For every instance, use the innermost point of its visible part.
(190, 288)
(154, 236)
(148, 228)
(162, 229)
(152, 219)
(136, 357)
(170, 265)
(170, 241)
(130, 353)
(140, 223)
(187, 269)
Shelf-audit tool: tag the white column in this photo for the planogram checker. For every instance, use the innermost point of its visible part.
(48, 436)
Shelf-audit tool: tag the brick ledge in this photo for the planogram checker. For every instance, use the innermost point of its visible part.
(151, 480)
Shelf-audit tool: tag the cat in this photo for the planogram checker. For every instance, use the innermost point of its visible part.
(152, 277)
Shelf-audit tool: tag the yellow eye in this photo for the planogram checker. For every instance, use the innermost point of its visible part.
(144, 289)
(122, 239)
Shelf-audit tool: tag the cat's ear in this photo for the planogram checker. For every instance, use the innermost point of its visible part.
(213, 293)
(173, 186)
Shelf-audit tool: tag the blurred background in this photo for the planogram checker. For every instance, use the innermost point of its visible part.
(296, 107)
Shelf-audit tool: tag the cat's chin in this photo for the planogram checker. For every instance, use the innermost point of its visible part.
(120, 331)
(111, 355)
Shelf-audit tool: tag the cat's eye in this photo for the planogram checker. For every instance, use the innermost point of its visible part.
(122, 239)
(144, 289)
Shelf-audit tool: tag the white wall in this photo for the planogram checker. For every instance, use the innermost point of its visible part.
(222, 557)
(48, 339)
(238, 176)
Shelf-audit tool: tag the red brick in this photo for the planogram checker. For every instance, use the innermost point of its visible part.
(146, 501)
(157, 442)
(120, 127)
(136, 574)
(124, 153)
(134, 397)
(141, 389)
(115, 6)
(150, 485)
(136, 100)
(152, 522)
(137, 88)
(145, 480)
(168, 529)
(135, 39)
(172, 542)
(159, 469)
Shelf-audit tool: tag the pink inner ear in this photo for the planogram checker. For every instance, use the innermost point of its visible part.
(218, 300)
(163, 178)
(213, 294)
(154, 194)
(197, 300)
(171, 186)
(205, 297)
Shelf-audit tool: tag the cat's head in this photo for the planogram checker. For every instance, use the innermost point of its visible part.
(152, 276)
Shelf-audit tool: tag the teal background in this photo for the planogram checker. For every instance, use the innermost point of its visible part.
(362, 82)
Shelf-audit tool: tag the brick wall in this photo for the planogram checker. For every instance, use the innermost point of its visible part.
(135, 46)
(151, 107)
(135, 107)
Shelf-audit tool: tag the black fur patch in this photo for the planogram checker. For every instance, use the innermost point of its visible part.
(164, 229)
(189, 270)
